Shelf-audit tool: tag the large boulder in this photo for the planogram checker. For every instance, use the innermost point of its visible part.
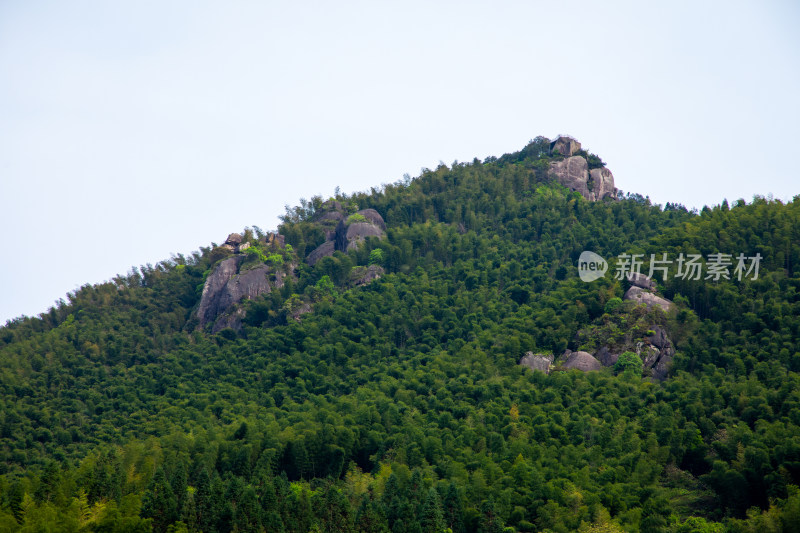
(226, 286)
(540, 362)
(373, 217)
(641, 296)
(325, 249)
(362, 275)
(329, 216)
(660, 341)
(565, 146)
(344, 233)
(573, 173)
(641, 281)
(234, 239)
(602, 181)
(605, 356)
(582, 361)
(355, 233)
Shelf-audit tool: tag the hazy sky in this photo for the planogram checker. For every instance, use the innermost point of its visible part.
(132, 130)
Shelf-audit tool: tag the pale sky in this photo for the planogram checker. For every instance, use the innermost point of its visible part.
(133, 130)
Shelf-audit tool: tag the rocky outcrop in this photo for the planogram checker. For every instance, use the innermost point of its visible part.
(564, 145)
(642, 296)
(540, 362)
(661, 354)
(350, 236)
(325, 249)
(655, 350)
(226, 286)
(275, 240)
(235, 243)
(582, 361)
(373, 217)
(343, 232)
(606, 357)
(640, 280)
(210, 308)
(361, 275)
(573, 171)
(601, 183)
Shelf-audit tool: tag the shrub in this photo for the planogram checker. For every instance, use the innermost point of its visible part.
(376, 257)
(612, 305)
(628, 362)
(355, 217)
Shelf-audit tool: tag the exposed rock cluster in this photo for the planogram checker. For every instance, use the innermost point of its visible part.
(228, 285)
(655, 349)
(235, 279)
(565, 145)
(540, 362)
(363, 275)
(583, 361)
(343, 232)
(641, 291)
(573, 171)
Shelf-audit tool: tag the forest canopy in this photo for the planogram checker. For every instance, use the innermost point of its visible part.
(399, 405)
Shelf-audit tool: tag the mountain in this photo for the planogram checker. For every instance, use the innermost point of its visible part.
(426, 356)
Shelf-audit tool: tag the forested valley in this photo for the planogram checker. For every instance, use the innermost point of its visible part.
(399, 405)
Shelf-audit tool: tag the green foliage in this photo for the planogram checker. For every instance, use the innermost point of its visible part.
(355, 217)
(258, 252)
(613, 304)
(376, 257)
(325, 287)
(628, 362)
(400, 405)
(275, 260)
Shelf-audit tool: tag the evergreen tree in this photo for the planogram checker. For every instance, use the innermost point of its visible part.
(159, 502)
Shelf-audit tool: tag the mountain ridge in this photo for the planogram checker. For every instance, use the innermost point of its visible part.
(398, 404)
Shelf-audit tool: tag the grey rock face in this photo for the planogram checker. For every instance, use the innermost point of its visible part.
(540, 362)
(234, 239)
(373, 217)
(602, 183)
(573, 173)
(275, 240)
(329, 216)
(661, 368)
(565, 146)
(641, 296)
(232, 320)
(343, 235)
(325, 249)
(605, 357)
(649, 356)
(209, 301)
(661, 342)
(582, 361)
(226, 286)
(355, 234)
(642, 281)
(360, 276)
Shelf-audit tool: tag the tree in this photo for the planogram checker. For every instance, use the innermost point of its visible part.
(628, 362)
(159, 502)
(432, 518)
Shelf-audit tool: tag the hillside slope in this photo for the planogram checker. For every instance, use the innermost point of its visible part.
(396, 402)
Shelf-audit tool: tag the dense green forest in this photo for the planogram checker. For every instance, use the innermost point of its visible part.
(400, 406)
